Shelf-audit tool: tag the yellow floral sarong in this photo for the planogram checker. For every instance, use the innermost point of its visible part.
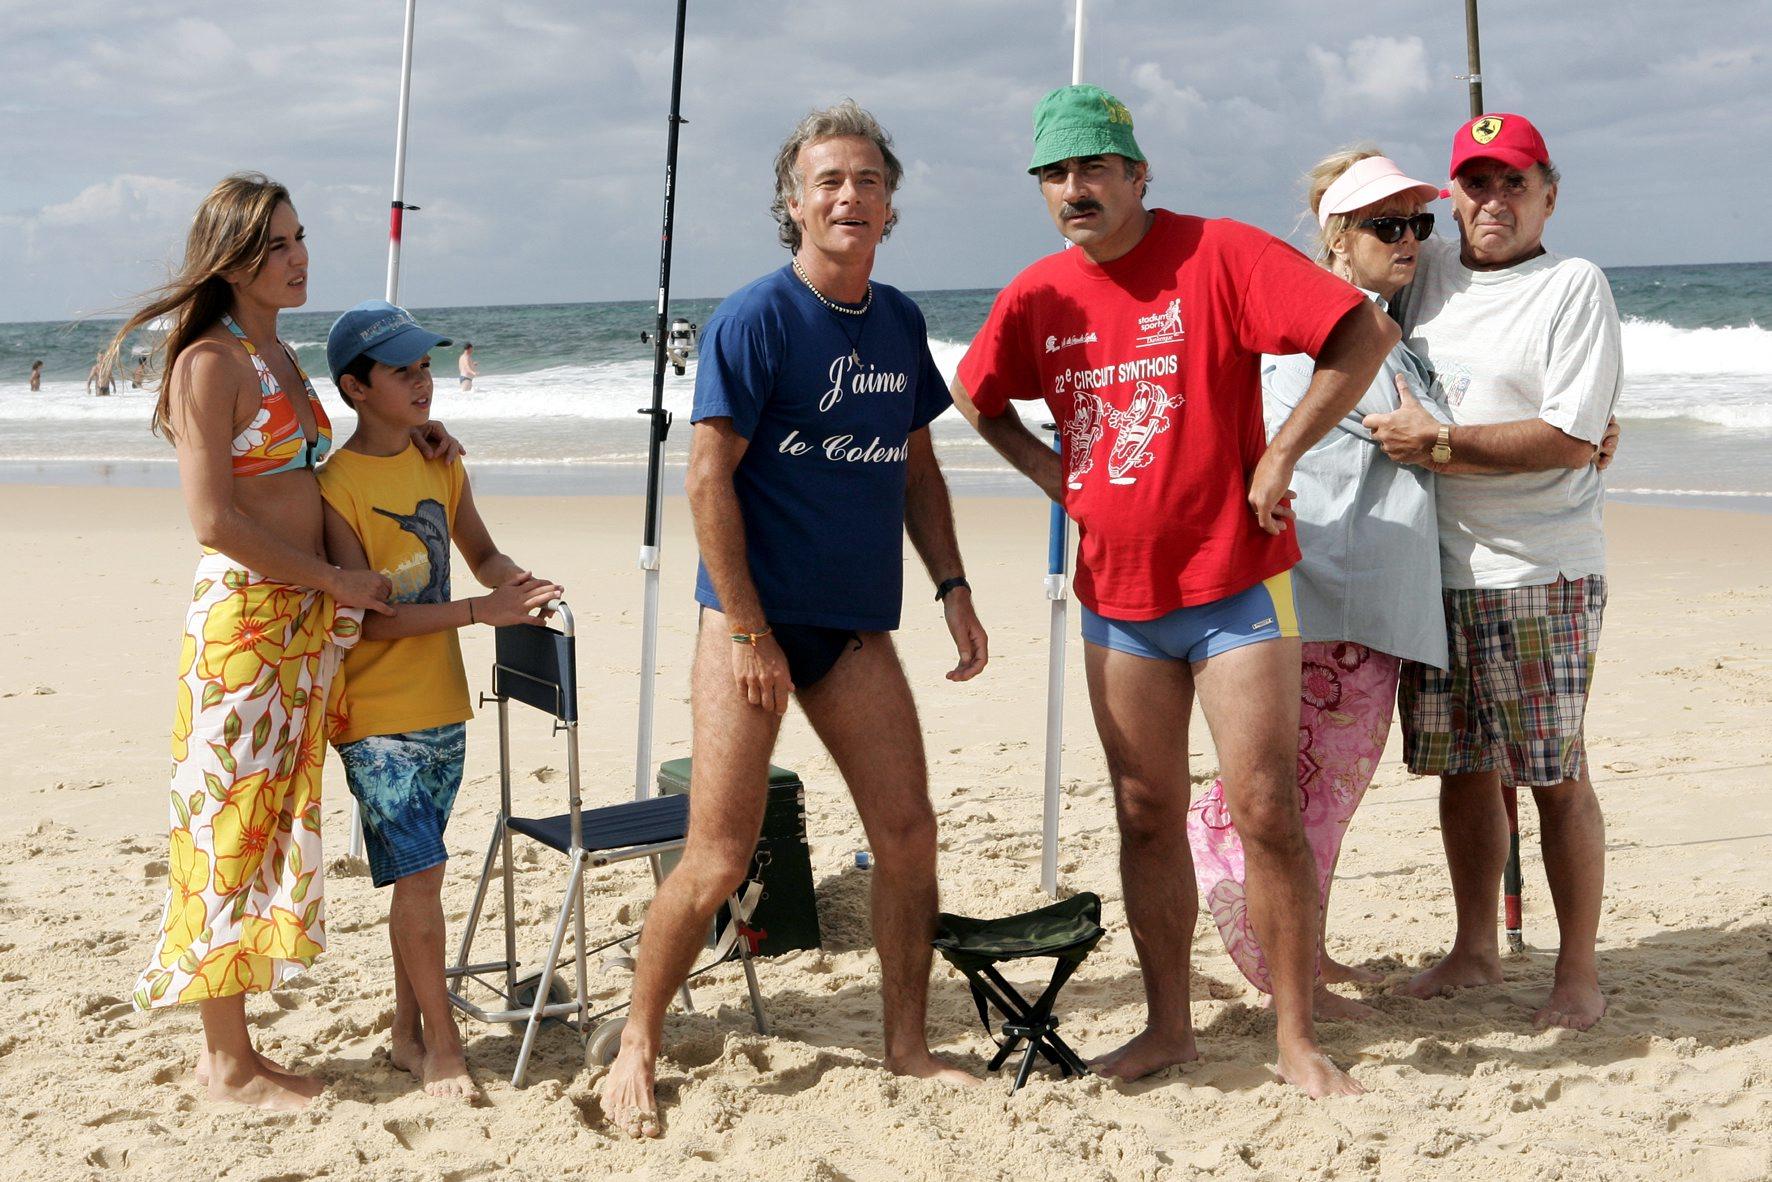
(246, 906)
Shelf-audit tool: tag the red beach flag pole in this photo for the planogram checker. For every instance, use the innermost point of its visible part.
(396, 214)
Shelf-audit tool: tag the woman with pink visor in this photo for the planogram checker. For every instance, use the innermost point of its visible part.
(1368, 588)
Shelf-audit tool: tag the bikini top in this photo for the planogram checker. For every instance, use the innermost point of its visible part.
(274, 442)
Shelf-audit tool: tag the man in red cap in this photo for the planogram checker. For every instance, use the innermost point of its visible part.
(1526, 345)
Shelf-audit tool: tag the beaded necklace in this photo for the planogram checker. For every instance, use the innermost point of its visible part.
(866, 303)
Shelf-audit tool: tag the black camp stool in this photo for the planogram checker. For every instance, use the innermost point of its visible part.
(1067, 931)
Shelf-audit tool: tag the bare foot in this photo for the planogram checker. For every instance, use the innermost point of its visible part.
(1455, 971)
(1147, 1053)
(200, 1073)
(274, 1091)
(1334, 972)
(1309, 1070)
(408, 1052)
(1575, 1006)
(1333, 1007)
(628, 1099)
(445, 1076)
(927, 1066)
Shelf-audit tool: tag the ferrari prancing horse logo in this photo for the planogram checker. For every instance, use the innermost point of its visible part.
(1486, 129)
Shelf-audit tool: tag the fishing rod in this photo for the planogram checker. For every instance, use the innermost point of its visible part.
(1512, 881)
(660, 427)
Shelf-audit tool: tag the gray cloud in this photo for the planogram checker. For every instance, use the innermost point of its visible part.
(538, 128)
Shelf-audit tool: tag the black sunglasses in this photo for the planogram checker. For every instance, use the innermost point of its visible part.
(1390, 230)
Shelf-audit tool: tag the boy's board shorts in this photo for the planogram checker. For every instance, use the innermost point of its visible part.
(405, 787)
(1516, 695)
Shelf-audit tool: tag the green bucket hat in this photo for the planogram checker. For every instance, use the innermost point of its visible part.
(1081, 121)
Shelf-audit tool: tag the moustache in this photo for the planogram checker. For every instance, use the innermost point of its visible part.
(1084, 206)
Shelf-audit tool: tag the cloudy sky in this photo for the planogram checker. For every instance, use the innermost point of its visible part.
(537, 136)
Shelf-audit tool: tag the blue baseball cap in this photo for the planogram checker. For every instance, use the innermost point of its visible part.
(386, 333)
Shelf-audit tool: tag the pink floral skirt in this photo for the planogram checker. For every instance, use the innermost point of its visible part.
(1347, 697)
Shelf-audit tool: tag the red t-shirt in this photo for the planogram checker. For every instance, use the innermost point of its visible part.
(1150, 364)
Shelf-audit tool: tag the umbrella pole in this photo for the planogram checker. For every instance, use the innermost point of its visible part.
(395, 219)
(1058, 545)
(661, 426)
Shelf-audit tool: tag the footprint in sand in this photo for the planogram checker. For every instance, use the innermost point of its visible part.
(416, 1134)
(109, 1157)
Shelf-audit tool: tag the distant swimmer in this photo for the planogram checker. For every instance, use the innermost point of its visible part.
(36, 376)
(100, 376)
(466, 367)
(138, 373)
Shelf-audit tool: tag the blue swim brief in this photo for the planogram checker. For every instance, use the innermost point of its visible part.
(1258, 613)
(405, 786)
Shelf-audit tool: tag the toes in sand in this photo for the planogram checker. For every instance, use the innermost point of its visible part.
(1146, 1054)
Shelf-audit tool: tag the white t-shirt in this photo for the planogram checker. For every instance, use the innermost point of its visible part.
(1536, 340)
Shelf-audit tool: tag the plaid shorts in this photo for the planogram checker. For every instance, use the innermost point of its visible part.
(1513, 701)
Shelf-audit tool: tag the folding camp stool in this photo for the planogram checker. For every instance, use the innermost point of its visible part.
(1067, 931)
(536, 666)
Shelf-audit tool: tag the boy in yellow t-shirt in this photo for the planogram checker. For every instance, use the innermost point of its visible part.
(405, 697)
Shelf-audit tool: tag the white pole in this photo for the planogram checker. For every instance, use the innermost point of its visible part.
(399, 203)
(1058, 592)
(1077, 49)
(393, 296)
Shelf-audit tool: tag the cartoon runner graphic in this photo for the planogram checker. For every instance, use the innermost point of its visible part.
(1080, 436)
(1137, 425)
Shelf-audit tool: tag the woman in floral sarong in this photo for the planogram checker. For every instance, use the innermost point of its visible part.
(268, 619)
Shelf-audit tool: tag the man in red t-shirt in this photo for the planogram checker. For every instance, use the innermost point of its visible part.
(1144, 343)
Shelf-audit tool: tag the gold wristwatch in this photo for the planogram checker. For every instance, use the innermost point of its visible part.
(1442, 452)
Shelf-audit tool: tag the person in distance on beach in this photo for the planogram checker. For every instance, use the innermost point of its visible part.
(1526, 345)
(36, 376)
(1144, 342)
(465, 367)
(268, 621)
(98, 378)
(811, 460)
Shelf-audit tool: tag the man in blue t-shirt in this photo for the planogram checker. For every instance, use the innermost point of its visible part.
(811, 459)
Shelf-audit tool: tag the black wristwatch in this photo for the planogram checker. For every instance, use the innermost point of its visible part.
(941, 592)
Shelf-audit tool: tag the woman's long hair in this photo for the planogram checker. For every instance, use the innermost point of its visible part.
(231, 233)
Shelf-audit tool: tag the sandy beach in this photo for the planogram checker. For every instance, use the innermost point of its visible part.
(1675, 1083)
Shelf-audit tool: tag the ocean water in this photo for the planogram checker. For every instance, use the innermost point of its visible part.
(554, 408)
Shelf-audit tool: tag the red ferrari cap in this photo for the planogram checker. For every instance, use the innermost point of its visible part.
(1510, 139)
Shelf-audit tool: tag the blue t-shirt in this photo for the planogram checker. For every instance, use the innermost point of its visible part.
(822, 484)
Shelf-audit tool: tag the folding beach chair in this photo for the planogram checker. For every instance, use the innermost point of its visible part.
(537, 666)
(1067, 931)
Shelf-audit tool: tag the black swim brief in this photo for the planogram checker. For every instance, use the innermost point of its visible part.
(812, 651)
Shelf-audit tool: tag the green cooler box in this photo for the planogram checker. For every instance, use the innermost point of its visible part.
(787, 914)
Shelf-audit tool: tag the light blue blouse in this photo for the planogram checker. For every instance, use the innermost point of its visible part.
(1366, 525)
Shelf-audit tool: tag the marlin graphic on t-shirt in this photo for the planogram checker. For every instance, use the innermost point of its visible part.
(429, 523)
